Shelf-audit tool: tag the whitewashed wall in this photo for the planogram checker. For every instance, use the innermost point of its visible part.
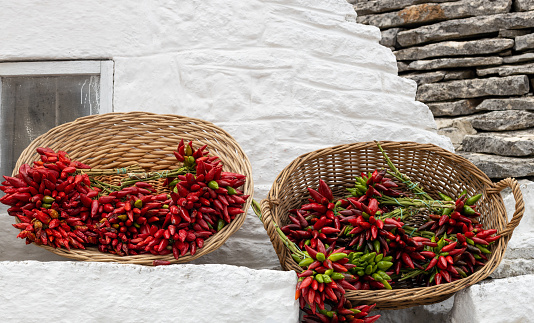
(284, 77)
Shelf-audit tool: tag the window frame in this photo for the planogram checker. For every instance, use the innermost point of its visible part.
(102, 68)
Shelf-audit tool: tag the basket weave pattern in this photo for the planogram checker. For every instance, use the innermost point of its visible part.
(434, 168)
(118, 140)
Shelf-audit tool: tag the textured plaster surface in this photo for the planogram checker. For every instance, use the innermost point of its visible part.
(282, 77)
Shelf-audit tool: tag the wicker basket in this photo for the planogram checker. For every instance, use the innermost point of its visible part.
(117, 140)
(433, 167)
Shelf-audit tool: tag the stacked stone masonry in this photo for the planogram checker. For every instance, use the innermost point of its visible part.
(473, 62)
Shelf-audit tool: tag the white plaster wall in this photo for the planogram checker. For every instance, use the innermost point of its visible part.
(106, 292)
(284, 77)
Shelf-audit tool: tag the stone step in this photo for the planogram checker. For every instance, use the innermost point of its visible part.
(455, 48)
(519, 256)
(525, 103)
(495, 301)
(473, 88)
(453, 108)
(370, 7)
(503, 120)
(433, 64)
(431, 12)
(501, 167)
(524, 42)
(110, 292)
(461, 28)
(507, 70)
(512, 143)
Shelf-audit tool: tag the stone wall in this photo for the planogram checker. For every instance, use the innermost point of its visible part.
(473, 61)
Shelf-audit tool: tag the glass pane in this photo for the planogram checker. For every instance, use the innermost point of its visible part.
(30, 106)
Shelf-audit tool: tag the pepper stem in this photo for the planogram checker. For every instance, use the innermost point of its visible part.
(295, 250)
(414, 187)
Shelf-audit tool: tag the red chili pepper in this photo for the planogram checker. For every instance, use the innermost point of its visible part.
(491, 239)
(325, 191)
(442, 263)
(407, 260)
(449, 247)
(479, 241)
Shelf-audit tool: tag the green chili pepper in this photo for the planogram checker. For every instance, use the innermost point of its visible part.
(175, 189)
(122, 217)
(165, 206)
(446, 211)
(306, 262)
(483, 249)
(442, 243)
(468, 210)
(376, 245)
(383, 275)
(388, 258)
(337, 276)
(320, 256)
(473, 199)
(386, 284)
(477, 257)
(319, 278)
(432, 277)
(46, 206)
(189, 161)
(231, 190)
(379, 257)
(360, 272)
(213, 185)
(174, 182)
(336, 256)
(48, 199)
(377, 277)
(296, 258)
(188, 150)
(135, 224)
(384, 265)
(444, 254)
(220, 224)
(307, 242)
(445, 197)
(328, 272)
(327, 279)
(368, 257)
(471, 242)
(369, 269)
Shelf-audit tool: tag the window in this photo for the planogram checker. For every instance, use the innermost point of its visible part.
(37, 96)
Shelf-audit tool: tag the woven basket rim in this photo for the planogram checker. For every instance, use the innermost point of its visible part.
(138, 117)
(392, 299)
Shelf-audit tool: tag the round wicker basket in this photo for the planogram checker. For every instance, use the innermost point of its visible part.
(117, 140)
(434, 168)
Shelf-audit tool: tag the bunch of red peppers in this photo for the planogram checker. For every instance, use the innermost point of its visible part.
(380, 237)
(58, 204)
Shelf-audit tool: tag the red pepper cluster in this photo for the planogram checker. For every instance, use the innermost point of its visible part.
(61, 207)
(460, 244)
(385, 249)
